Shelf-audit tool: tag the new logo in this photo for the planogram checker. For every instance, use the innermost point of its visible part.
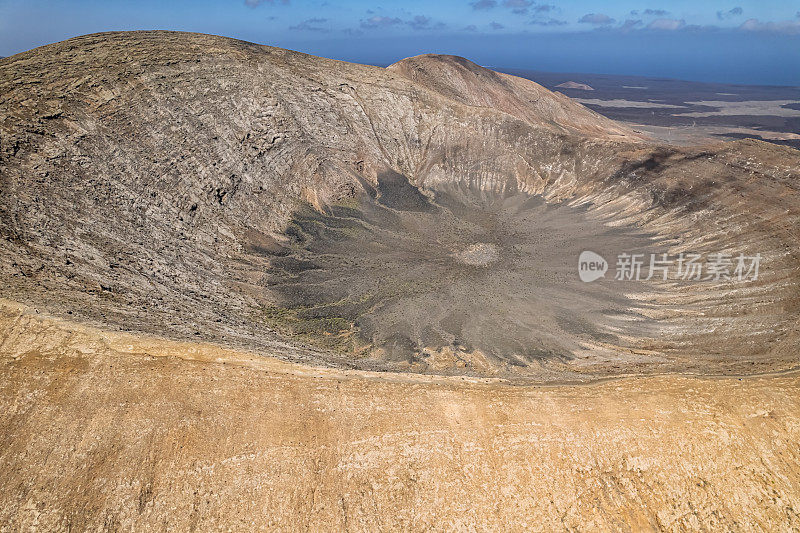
(591, 266)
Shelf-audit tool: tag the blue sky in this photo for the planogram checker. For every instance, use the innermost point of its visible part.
(707, 40)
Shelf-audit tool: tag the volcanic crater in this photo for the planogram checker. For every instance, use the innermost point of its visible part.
(426, 217)
(458, 278)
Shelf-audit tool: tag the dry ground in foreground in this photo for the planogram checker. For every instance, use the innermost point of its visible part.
(110, 431)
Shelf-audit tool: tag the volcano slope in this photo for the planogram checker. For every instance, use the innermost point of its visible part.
(306, 219)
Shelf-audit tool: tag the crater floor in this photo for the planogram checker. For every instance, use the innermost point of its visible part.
(454, 278)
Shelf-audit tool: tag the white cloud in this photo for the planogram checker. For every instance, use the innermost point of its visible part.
(377, 21)
(782, 26)
(597, 19)
(666, 24)
(313, 24)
